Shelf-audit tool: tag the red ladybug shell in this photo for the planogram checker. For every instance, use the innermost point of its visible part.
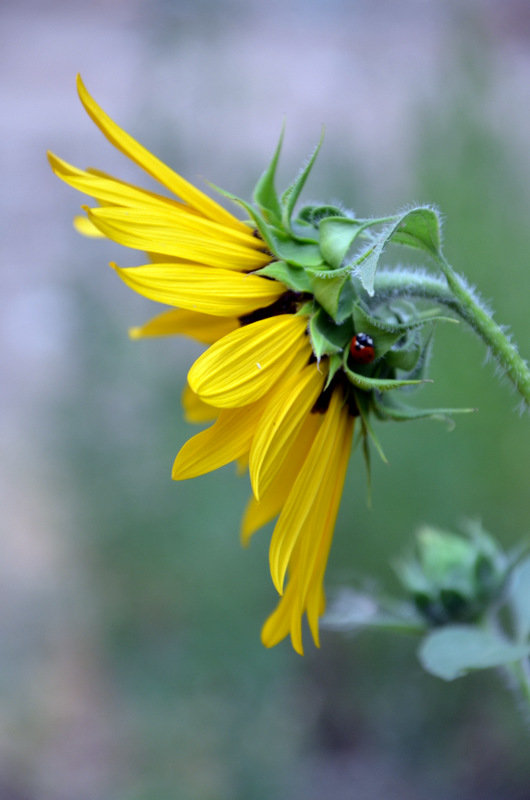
(362, 348)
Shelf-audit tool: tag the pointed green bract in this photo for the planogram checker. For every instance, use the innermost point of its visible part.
(294, 278)
(390, 409)
(265, 195)
(327, 337)
(327, 292)
(292, 193)
(368, 384)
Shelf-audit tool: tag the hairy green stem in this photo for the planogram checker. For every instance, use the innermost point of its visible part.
(492, 334)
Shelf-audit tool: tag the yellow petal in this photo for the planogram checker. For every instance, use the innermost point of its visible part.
(278, 624)
(307, 570)
(281, 423)
(307, 564)
(144, 229)
(152, 165)
(217, 292)
(87, 228)
(226, 440)
(259, 512)
(109, 190)
(300, 505)
(141, 205)
(243, 366)
(194, 409)
(242, 463)
(204, 328)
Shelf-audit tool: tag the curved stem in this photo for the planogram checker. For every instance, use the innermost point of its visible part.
(519, 679)
(492, 334)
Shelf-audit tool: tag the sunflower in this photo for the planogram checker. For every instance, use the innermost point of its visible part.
(295, 354)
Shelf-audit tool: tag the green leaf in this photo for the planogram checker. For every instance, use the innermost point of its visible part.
(519, 597)
(363, 405)
(294, 278)
(292, 193)
(417, 227)
(456, 649)
(327, 292)
(337, 235)
(265, 195)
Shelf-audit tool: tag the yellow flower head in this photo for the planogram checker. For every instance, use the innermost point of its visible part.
(295, 354)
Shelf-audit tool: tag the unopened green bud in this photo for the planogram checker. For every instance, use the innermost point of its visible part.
(454, 578)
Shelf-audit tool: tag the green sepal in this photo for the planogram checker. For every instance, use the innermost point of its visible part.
(385, 333)
(337, 235)
(265, 195)
(292, 193)
(335, 363)
(327, 292)
(454, 650)
(266, 231)
(404, 358)
(379, 384)
(327, 337)
(363, 404)
(417, 227)
(294, 278)
(388, 409)
(299, 254)
(346, 300)
(313, 215)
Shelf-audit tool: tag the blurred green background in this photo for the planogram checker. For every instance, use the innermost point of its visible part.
(131, 664)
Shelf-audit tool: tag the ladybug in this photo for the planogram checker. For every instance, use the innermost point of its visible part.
(362, 348)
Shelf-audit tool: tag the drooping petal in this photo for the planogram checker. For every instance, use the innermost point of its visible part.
(147, 229)
(205, 328)
(315, 543)
(259, 512)
(217, 292)
(194, 409)
(300, 505)
(226, 440)
(152, 165)
(278, 625)
(281, 423)
(243, 366)
(310, 550)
